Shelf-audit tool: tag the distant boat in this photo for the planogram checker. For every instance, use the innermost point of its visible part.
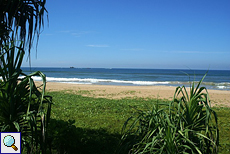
(71, 67)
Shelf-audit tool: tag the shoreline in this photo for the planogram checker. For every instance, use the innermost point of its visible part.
(217, 97)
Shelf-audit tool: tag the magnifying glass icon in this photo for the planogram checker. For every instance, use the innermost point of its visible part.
(9, 141)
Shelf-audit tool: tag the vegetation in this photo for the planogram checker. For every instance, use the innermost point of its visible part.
(21, 103)
(21, 20)
(187, 125)
(93, 125)
(23, 107)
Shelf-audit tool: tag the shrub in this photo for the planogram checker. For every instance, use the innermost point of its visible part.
(23, 108)
(186, 125)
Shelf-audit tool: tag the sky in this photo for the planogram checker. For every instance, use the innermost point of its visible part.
(157, 34)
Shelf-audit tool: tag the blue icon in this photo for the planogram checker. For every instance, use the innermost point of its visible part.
(9, 141)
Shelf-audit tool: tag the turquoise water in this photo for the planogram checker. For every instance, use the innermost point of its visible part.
(215, 79)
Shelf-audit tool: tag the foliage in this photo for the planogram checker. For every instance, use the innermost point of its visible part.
(22, 17)
(93, 125)
(22, 105)
(189, 125)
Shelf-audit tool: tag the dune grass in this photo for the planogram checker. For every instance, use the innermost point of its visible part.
(93, 125)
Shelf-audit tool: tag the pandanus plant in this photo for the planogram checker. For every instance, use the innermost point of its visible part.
(24, 18)
(187, 125)
(23, 107)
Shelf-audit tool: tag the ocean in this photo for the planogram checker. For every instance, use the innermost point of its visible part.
(215, 79)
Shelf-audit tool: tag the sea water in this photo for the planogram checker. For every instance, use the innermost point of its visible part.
(215, 79)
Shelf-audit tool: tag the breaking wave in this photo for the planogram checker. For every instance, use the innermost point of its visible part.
(100, 81)
(209, 85)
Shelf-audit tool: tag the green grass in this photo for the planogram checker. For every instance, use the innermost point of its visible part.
(93, 125)
(223, 114)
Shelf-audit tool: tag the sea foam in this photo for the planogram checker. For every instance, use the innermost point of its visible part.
(100, 81)
(209, 85)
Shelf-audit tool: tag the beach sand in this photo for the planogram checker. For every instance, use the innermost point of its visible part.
(218, 97)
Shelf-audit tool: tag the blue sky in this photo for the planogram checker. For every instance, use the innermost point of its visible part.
(166, 34)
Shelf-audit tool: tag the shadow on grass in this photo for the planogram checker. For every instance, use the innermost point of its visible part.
(65, 137)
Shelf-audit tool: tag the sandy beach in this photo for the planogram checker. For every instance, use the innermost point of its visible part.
(218, 97)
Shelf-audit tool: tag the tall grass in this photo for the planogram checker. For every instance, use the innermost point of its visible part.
(186, 125)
